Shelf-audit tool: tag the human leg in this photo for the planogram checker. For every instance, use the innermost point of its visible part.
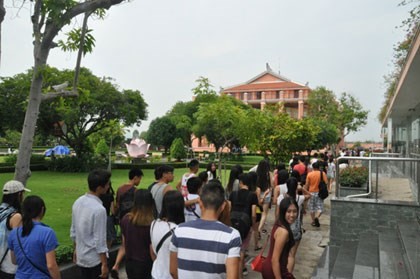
(136, 269)
(90, 272)
(263, 216)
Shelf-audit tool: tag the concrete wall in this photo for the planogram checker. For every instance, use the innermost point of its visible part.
(350, 217)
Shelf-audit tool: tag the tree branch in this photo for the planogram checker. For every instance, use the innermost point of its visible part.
(53, 95)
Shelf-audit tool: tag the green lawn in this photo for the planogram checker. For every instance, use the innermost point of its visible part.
(60, 190)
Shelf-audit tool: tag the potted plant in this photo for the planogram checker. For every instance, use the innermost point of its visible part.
(355, 177)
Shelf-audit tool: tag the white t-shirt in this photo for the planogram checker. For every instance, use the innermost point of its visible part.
(184, 188)
(283, 188)
(189, 212)
(158, 229)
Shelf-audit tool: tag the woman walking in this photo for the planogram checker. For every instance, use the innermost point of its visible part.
(33, 245)
(263, 190)
(281, 241)
(135, 229)
(161, 231)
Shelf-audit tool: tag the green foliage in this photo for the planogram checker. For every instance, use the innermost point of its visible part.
(102, 149)
(178, 150)
(204, 87)
(73, 41)
(354, 176)
(64, 254)
(76, 164)
(162, 132)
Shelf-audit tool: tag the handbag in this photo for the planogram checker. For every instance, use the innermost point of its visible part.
(323, 191)
(257, 262)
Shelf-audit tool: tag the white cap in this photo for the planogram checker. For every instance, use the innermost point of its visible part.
(14, 186)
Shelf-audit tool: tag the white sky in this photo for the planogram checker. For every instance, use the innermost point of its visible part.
(161, 47)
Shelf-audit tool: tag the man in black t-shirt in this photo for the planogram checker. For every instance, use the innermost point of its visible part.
(243, 214)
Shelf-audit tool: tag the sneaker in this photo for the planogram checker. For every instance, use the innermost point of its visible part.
(245, 271)
(317, 222)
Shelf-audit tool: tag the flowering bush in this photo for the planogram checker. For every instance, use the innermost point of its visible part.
(354, 176)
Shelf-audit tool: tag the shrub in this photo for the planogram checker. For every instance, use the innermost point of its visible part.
(177, 149)
(102, 149)
(354, 176)
(10, 160)
(64, 254)
(75, 164)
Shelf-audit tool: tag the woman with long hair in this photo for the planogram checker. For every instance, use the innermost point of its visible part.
(211, 171)
(10, 209)
(33, 245)
(263, 189)
(233, 183)
(161, 230)
(136, 242)
(296, 227)
(281, 241)
(108, 202)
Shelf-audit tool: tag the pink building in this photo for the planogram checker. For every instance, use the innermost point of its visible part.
(266, 88)
(272, 88)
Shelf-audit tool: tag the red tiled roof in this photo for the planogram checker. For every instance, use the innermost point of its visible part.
(266, 86)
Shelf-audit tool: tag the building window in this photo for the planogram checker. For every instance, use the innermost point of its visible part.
(296, 94)
(242, 95)
(259, 95)
(277, 94)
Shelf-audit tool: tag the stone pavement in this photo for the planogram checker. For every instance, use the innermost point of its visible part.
(311, 247)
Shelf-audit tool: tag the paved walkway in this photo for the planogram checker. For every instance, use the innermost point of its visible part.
(310, 250)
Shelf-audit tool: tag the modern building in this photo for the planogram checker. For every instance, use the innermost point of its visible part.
(401, 125)
(272, 88)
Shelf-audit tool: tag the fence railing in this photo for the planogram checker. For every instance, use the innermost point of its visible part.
(388, 166)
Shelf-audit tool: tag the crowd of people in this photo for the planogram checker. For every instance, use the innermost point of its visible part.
(197, 229)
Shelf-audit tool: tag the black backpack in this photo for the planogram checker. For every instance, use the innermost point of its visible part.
(126, 202)
(239, 219)
(323, 190)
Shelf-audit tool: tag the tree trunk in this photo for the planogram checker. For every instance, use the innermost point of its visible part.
(22, 170)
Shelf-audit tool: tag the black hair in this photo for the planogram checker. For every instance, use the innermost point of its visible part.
(284, 206)
(33, 207)
(281, 166)
(295, 174)
(163, 169)
(193, 163)
(263, 172)
(194, 184)
(282, 176)
(252, 181)
(240, 169)
(14, 200)
(156, 173)
(173, 207)
(245, 179)
(292, 184)
(209, 169)
(302, 158)
(203, 176)
(98, 178)
(135, 172)
(315, 165)
(234, 174)
(212, 195)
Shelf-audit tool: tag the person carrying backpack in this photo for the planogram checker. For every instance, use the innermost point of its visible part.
(243, 204)
(10, 218)
(125, 193)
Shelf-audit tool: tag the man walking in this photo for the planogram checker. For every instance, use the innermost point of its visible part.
(316, 204)
(164, 175)
(125, 193)
(206, 248)
(88, 228)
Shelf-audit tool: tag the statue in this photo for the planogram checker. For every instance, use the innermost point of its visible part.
(137, 148)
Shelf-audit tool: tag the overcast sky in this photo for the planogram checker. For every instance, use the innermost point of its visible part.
(161, 47)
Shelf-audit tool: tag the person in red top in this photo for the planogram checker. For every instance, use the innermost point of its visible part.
(123, 206)
(316, 204)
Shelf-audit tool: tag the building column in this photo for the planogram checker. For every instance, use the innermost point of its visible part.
(262, 100)
(389, 137)
(245, 100)
(300, 109)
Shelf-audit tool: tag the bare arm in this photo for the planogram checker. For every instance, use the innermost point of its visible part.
(152, 253)
(280, 237)
(52, 265)
(191, 202)
(173, 265)
(15, 221)
(254, 214)
(178, 186)
(12, 255)
(120, 255)
(232, 268)
(167, 189)
(104, 265)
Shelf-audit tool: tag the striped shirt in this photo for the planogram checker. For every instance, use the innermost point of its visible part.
(203, 247)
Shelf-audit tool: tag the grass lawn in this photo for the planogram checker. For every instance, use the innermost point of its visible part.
(60, 190)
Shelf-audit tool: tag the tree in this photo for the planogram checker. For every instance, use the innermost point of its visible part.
(346, 113)
(177, 149)
(161, 132)
(48, 19)
(220, 122)
(100, 108)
